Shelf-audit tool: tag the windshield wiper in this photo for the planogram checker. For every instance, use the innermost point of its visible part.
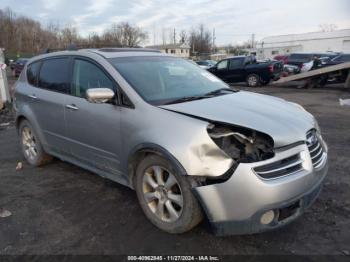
(207, 95)
(219, 91)
(186, 99)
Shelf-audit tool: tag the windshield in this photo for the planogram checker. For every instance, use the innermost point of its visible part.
(160, 80)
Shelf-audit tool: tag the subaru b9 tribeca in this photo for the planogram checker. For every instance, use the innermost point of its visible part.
(181, 138)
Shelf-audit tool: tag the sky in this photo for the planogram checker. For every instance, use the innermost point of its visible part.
(234, 20)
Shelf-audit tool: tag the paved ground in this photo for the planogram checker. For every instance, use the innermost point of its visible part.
(63, 209)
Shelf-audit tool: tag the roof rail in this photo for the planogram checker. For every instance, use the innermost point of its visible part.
(101, 48)
(70, 47)
(127, 49)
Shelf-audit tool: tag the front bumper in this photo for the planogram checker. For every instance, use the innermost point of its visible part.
(237, 205)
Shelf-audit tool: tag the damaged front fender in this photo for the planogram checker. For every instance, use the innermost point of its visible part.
(185, 138)
(207, 159)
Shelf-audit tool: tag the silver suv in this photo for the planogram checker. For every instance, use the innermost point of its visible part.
(188, 144)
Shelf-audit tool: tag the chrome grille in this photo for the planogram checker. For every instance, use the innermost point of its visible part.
(315, 148)
(286, 166)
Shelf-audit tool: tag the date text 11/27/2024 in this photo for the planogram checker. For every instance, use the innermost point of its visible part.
(174, 258)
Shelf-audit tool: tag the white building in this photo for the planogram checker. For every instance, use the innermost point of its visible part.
(179, 50)
(336, 41)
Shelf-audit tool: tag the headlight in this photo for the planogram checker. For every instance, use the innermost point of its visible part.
(241, 144)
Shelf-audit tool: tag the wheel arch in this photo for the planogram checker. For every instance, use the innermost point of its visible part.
(18, 121)
(144, 149)
(34, 124)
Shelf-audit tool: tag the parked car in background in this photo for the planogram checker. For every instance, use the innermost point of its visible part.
(324, 61)
(290, 69)
(282, 58)
(187, 143)
(19, 65)
(338, 60)
(299, 59)
(305, 67)
(336, 77)
(246, 68)
(206, 64)
(314, 64)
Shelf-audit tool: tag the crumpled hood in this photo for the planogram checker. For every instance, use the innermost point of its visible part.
(285, 122)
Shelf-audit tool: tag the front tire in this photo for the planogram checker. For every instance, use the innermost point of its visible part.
(165, 196)
(31, 145)
(253, 80)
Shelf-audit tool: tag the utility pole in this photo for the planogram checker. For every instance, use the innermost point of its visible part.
(154, 34)
(253, 40)
(174, 37)
(163, 36)
(213, 44)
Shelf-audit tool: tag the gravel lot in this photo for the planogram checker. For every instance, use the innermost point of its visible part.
(63, 209)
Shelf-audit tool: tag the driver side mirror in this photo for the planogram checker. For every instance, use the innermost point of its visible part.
(99, 95)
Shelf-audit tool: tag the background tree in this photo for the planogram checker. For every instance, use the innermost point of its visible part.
(183, 37)
(200, 40)
(27, 37)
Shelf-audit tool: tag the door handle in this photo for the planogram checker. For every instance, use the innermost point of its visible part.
(73, 107)
(32, 96)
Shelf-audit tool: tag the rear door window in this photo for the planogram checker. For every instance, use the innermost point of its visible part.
(54, 75)
(33, 73)
(236, 63)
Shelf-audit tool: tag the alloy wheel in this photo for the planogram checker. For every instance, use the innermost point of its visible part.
(29, 143)
(162, 193)
(252, 81)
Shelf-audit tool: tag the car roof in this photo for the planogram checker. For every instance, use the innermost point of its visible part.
(234, 57)
(123, 52)
(313, 53)
(104, 52)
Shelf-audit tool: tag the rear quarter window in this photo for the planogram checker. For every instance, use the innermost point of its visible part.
(54, 75)
(33, 73)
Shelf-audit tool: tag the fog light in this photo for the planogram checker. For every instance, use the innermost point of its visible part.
(267, 217)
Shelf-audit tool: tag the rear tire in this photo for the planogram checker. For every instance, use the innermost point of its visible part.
(165, 196)
(253, 80)
(31, 145)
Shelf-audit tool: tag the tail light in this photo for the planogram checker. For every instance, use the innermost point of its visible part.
(271, 68)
